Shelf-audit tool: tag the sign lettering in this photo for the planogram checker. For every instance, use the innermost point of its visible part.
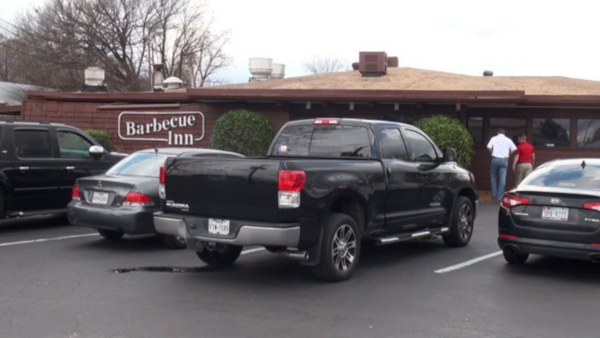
(175, 128)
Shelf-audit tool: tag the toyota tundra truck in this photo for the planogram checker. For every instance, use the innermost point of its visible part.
(326, 186)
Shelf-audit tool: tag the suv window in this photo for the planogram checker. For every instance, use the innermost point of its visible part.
(392, 144)
(422, 149)
(32, 143)
(323, 140)
(73, 145)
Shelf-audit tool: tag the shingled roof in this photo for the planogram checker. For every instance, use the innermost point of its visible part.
(419, 79)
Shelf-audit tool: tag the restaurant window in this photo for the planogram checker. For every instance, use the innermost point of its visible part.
(551, 133)
(588, 133)
(513, 127)
(475, 127)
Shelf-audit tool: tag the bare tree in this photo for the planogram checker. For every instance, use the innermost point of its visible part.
(325, 64)
(210, 59)
(70, 35)
(8, 60)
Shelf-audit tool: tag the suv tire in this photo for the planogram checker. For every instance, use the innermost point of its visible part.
(221, 256)
(340, 249)
(512, 256)
(461, 224)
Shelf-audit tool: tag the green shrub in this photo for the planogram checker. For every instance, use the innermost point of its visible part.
(447, 132)
(100, 136)
(244, 132)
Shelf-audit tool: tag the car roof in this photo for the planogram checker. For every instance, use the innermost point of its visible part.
(182, 151)
(574, 161)
(352, 121)
(31, 123)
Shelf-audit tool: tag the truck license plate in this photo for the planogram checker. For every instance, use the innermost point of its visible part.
(218, 226)
(100, 198)
(555, 214)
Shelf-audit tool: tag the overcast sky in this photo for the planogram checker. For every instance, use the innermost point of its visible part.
(509, 37)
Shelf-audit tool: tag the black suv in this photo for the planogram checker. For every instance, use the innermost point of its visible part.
(39, 163)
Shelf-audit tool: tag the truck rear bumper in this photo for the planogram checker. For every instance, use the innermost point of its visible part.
(245, 233)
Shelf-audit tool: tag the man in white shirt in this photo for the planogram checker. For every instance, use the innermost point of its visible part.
(501, 148)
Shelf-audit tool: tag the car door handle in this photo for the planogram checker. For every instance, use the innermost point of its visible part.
(70, 168)
(424, 175)
(23, 168)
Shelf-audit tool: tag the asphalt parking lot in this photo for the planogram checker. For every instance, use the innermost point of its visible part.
(62, 281)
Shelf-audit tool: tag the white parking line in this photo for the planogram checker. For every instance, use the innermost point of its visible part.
(48, 239)
(469, 262)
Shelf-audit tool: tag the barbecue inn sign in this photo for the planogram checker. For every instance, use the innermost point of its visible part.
(182, 128)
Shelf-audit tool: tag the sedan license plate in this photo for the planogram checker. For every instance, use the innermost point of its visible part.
(218, 226)
(555, 214)
(100, 198)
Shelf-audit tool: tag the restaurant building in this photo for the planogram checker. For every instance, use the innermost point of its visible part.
(561, 116)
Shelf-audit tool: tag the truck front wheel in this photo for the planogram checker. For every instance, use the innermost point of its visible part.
(219, 256)
(340, 249)
(461, 224)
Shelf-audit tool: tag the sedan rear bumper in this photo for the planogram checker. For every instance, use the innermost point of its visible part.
(570, 250)
(128, 220)
(244, 233)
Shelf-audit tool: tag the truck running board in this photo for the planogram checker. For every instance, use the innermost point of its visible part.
(408, 237)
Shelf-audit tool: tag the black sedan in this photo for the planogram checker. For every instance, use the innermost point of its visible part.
(555, 211)
(122, 200)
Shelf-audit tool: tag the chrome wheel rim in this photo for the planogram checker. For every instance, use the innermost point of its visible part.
(343, 248)
(465, 221)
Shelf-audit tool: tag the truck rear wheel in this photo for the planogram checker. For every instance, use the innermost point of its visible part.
(220, 256)
(461, 224)
(340, 249)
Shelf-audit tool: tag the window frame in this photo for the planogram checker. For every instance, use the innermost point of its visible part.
(544, 146)
(85, 137)
(577, 146)
(436, 150)
(402, 137)
(42, 129)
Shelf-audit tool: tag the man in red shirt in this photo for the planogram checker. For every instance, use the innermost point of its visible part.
(524, 159)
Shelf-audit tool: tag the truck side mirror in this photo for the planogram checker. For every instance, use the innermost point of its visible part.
(449, 155)
(97, 151)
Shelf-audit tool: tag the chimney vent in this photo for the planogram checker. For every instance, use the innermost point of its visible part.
(158, 77)
(488, 73)
(173, 84)
(278, 71)
(372, 63)
(94, 80)
(392, 62)
(260, 68)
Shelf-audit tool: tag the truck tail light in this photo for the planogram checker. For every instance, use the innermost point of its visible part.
(592, 206)
(291, 183)
(162, 177)
(329, 120)
(75, 193)
(510, 201)
(137, 199)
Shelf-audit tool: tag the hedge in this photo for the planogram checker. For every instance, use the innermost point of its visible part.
(447, 132)
(101, 137)
(242, 131)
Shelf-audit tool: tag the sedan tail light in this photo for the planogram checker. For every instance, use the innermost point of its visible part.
(592, 206)
(162, 191)
(291, 183)
(510, 201)
(75, 193)
(137, 199)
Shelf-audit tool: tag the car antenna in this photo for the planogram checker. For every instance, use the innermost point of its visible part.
(582, 164)
(155, 150)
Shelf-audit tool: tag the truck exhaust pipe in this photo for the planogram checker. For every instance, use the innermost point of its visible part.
(295, 255)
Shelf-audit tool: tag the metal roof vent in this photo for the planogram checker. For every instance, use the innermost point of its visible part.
(260, 68)
(488, 73)
(392, 62)
(94, 76)
(278, 71)
(173, 83)
(372, 63)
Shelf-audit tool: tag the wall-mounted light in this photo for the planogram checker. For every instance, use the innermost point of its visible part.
(396, 106)
(351, 106)
(308, 105)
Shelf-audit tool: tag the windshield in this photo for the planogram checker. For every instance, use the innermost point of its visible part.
(566, 176)
(139, 164)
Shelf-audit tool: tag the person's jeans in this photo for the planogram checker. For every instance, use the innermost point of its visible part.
(498, 172)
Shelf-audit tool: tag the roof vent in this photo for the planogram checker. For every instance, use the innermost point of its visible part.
(94, 76)
(392, 62)
(158, 77)
(173, 83)
(355, 65)
(260, 68)
(278, 71)
(488, 73)
(372, 63)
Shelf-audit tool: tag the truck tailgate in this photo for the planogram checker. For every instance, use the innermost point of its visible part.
(223, 188)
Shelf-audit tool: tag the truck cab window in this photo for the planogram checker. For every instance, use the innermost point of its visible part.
(72, 145)
(32, 144)
(421, 149)
(392, 144)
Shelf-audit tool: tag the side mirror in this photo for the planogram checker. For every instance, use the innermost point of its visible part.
(96, 151)
(449, 155)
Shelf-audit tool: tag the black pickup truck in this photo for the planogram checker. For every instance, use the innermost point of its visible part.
(326, 186)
